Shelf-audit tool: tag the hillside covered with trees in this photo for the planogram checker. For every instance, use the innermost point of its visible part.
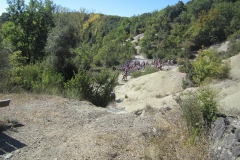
(46, 48)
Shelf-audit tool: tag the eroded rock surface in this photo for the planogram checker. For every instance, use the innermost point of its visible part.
(225, 138)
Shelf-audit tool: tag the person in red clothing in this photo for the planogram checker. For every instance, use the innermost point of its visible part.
(159, 67)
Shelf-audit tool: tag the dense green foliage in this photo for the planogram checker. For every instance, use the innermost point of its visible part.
(95, 88)
(208, 65)
(43, 46)
(28, 27)
(4, 65)
(176, 30)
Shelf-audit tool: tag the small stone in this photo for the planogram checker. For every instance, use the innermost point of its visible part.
(168, 108)
(9, 155)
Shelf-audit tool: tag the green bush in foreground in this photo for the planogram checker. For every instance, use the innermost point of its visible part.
(199, 109)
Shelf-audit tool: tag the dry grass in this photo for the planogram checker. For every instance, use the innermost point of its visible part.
(150, 110)
(172, 141)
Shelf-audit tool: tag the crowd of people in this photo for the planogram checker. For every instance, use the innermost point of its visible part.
(136, 65)
(132, 65)
(159, 64)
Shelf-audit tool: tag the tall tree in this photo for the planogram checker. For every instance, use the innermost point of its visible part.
(61, 39)
(34, 21)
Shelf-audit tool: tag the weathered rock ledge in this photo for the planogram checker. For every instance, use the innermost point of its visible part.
(225, 138)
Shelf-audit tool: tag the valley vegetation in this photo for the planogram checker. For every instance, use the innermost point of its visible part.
(47, 48)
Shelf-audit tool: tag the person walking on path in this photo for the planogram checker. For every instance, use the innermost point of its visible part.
(124, 75)
(113, 98)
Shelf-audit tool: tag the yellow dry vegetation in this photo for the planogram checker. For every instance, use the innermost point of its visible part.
(93, 18)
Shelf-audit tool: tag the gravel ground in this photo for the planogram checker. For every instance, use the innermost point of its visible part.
(52, 127)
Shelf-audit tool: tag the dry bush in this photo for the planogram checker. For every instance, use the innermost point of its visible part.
(3, 125)
(174, 142)
(149, 109)
(7, 123)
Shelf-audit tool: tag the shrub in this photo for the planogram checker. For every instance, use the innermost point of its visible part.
(4, 67)
(24, 76)
(186, 83)
(199, 109)
(102, 84)
(94, 88)
(17, 62)
(135, 74)
(52, 81)
(31, 77)
(209, 65)
(188, 68)
(234, 36)
(234, 49)
(80, 85)
(148, 70)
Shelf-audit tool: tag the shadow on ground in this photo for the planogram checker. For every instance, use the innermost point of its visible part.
(9, 144)
(115, 110)
(119, 100)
